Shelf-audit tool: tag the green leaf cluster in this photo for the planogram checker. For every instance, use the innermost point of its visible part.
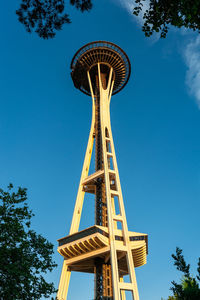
(163, 13)
(188, 288)
(46, 17)
(24, 255)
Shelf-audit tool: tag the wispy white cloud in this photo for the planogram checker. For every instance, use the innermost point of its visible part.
(192, 60)
(191, 51)
(129, 6)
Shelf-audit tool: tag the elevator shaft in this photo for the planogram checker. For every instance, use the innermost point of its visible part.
(103, 276)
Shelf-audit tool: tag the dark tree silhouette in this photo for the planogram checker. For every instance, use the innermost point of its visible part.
(24, 255)
(162, 13)
(45, 17)
(188, 289)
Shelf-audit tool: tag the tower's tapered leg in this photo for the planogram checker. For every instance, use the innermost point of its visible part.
(66, 273)
(64, 282)
(112, 218)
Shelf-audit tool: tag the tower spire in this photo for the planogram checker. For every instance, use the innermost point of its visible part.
(107, 249)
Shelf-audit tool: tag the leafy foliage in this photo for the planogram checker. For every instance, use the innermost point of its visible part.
(45, 17)
(42, 16)
(188, 289)
(180, 263)
(24, 255)
(198, 270)
(162, 13)
(82, 5)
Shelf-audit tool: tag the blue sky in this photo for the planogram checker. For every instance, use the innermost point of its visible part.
(44, 126)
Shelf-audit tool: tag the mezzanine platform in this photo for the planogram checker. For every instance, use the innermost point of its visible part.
(82, 248)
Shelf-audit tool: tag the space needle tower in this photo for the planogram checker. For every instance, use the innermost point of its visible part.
(107, 249)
